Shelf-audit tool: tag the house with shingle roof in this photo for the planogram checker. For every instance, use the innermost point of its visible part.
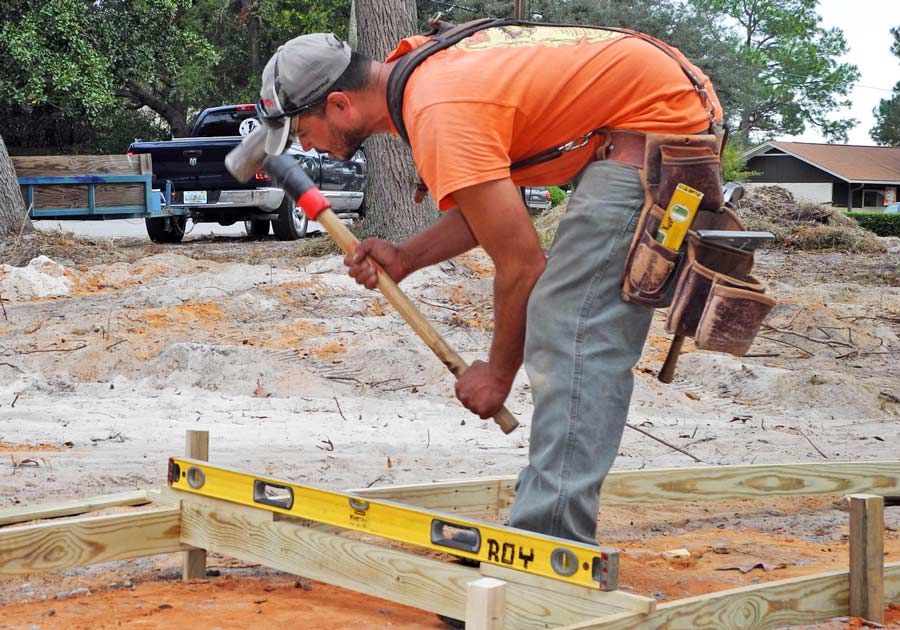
(848, 176)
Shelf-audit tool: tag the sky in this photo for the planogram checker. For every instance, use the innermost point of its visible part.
(866, 25)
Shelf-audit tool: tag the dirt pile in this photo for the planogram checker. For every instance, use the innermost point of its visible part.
(803, 225)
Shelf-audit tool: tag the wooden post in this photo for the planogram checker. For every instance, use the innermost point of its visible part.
(867, 557)
(196, 446)
(486, 604)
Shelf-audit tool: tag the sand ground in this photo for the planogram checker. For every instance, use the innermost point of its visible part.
(108, 355)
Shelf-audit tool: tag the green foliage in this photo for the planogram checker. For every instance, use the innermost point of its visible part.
(887, 115)
(557, 195)
(50, 56)
(788, 76)
(879, 222)
(733, 164)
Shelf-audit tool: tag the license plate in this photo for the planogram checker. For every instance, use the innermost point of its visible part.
(194, 196)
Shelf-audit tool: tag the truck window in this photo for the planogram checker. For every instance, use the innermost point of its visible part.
(225, 123)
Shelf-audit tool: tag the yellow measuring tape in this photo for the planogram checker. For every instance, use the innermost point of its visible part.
(549, 557)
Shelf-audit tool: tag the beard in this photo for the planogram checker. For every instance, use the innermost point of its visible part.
(351, 141)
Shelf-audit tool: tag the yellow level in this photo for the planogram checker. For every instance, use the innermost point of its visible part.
(556, 558)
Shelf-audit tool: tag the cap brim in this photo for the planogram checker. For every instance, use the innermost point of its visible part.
(277, 132)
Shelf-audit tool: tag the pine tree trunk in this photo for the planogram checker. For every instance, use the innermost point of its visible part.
(12, 208)
(391, 212)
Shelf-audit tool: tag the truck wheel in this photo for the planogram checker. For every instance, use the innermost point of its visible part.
(257, 228)
(292, 222)
(166, 229)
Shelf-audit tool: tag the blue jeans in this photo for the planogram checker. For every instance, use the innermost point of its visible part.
(582, 342)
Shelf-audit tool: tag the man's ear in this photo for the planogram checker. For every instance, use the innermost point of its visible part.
(339, 100)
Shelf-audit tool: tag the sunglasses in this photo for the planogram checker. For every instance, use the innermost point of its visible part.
(264, 115)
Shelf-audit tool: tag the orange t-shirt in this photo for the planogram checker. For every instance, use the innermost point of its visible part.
(505, 94)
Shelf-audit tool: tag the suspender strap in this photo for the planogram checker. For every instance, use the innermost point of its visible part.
(444, 38)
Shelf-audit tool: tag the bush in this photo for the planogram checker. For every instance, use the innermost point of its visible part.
(880, 223)
(557, 196)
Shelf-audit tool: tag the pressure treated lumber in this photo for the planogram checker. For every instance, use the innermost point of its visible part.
(623, 599)
(193, 564)
(802, 600)
(746, 482)
(89, 540)
(72, 507)
(62, 165)
(399, 576)
(489, 496)
(76, 196)
(486, 604)
(867, 557)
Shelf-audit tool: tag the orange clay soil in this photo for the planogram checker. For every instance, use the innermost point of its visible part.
(225, 602)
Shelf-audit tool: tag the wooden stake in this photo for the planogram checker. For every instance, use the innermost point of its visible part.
(196, 446)
(867, 557)
(486, 604)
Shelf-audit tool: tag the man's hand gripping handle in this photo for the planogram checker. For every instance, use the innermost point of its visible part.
(287, 173)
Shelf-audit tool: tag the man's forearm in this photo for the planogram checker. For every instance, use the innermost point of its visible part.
(448, 237)
(512, 288)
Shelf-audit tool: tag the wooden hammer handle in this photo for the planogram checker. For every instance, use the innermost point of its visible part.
(409, 312)
(667, 372)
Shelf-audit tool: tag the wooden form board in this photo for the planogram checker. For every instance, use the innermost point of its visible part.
(359, 565)
(72, 507)
(89, 540)
(487, 497)
(796, 601)
(76, 196)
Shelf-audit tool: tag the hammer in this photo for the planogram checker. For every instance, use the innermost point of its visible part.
(288, 174)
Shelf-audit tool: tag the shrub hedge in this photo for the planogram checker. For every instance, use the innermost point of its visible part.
(879, 222)
(557, 195)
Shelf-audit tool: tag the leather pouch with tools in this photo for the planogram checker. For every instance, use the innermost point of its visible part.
(707, 285)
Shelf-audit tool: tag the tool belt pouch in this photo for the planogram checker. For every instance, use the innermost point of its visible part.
(669, 159)
(716, 300)
(649, 268)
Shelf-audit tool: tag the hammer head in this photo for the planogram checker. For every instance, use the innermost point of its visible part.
(249, 156)
(244, 160)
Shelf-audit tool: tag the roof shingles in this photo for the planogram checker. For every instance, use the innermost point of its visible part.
(850, 162)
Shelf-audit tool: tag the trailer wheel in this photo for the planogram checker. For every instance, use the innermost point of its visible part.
(292, 222)
(166, 229)
(257, 228)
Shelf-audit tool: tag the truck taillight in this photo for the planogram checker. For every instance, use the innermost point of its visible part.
(262, 176)
(547, 195)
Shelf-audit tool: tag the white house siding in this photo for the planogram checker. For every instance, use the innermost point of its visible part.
(815, 192)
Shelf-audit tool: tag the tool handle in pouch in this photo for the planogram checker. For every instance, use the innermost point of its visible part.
(287, 172)
(667, 372)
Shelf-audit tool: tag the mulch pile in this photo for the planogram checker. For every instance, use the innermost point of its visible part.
(803, 225)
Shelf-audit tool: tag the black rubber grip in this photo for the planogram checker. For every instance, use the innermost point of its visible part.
(287, 173)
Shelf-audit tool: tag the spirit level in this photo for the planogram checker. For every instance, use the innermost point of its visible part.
(546, 556)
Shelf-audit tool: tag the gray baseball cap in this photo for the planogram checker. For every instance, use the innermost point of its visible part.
(297, 77)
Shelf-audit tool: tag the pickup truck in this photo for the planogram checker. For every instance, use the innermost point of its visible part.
(202, 189)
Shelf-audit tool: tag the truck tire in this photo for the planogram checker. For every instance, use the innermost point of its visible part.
(292, 222)
(166, 229)
(257, 228)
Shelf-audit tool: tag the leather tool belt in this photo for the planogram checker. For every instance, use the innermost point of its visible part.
(707, 286)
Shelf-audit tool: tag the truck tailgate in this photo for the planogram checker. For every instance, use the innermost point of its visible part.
(192, 163)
